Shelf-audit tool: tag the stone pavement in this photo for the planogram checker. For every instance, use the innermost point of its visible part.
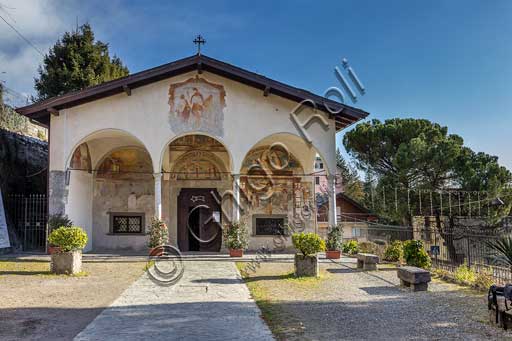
(210, 302)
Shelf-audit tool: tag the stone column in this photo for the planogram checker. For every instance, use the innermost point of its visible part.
(158, 195)
(236, 197)
(331, 191)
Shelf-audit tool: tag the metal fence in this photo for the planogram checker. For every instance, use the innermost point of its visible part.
(448, 246)
(27, 215)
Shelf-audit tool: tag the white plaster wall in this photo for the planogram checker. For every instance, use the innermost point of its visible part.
(248, 118)
(79, 204)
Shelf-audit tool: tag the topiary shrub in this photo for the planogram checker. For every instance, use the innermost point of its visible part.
(158, 233)
(236, 236)
(309, 244)
(351, 247)
(68, 238)
(334, 239)
(394, 251)
(415, 254)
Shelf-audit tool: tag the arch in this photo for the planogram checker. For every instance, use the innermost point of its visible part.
(296, 143)
(208, 161)
(131, 161)
(177, 137)
(132, 140)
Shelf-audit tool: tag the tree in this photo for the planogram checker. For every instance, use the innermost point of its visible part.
(75, 62)
(9, 119)
(352, 185)
(419, 154)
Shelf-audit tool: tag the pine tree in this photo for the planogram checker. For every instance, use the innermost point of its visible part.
(75, 62)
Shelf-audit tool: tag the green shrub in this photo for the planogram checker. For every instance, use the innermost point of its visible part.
(464, 275)
(335, 239)
(308, 243)
(68, 238)
(158, 233)
(351, 247)
(236, 236)
(394, 251)
(58, 220)
(415, 254)
(368, 247)
(483, 279)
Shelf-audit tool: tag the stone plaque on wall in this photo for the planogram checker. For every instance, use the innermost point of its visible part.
(4, 234)
(269, 225)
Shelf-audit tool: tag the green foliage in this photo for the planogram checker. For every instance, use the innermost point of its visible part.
(351, 247)
(415, 254)
(368, 247)
(464, 274)
(502, 254)
(352, 184)
(236, 235)
(483, 279)
(394, 251)
(9, 119)
(75, 62)
(420, 155)
(308, 243)
(334, 239)
(68, 238)
(58, 220)
(158, 233)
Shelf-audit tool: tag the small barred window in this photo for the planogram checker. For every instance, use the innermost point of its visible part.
(127, 223)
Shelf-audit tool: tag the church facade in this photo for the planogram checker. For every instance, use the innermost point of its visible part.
(196, 143)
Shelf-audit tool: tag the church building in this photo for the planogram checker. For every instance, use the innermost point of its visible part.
(197, 143)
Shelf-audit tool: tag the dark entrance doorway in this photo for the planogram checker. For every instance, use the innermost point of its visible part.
(198, 207)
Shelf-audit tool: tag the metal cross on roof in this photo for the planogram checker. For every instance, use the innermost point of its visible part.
(198, 41)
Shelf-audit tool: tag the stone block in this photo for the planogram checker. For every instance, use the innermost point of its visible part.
(367, 261)
(415, 278)
(306, 265)
(69, 263)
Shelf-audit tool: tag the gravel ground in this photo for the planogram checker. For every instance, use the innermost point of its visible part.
(348, 304)
(37, 305)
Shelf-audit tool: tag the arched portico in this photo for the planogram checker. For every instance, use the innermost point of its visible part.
(110, 189)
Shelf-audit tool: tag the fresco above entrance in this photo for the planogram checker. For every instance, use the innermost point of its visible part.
(197, 105)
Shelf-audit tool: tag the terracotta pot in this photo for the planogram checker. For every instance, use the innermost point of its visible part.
(236, 252)
(334, 254)
(53, 249)
(156, 251)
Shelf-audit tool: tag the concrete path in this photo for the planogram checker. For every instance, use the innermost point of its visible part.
(210, 302)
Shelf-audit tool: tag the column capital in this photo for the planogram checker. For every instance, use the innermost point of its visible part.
(157, 176)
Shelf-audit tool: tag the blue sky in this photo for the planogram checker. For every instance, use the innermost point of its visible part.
(447, 61)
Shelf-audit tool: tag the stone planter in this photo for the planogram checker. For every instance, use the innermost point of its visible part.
(236, 252)
(306, 265)
(69, 263)
(333, 254)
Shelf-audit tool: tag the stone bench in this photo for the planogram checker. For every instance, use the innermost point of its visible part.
(415, 278)
(367, 261)
(504, 316)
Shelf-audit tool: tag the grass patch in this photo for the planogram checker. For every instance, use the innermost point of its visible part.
(281, 324)
(31, 268)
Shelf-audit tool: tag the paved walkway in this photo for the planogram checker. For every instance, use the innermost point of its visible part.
(210, 302)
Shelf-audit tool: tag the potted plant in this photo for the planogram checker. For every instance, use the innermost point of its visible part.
(158, 236)
(54, 222)
(70, 241)
(236, 238)
(334, 242)
(306, 262)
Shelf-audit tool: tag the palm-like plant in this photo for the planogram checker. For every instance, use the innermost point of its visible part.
(503, 249)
